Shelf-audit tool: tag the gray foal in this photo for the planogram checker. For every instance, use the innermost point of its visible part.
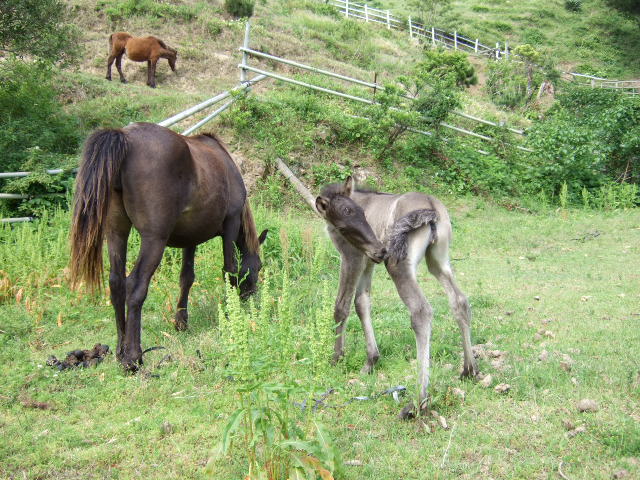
(413, 226)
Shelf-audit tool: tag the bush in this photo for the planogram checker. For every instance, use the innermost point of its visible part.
(122, 9)
(239, 8)
(35, 133)
(441, 64)
(573, 5)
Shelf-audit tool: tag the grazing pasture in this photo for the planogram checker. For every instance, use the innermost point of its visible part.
(556, 310)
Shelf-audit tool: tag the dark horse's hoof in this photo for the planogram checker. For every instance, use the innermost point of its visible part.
(108, 78)
(124, 80)
(131, 366)
(180, 322)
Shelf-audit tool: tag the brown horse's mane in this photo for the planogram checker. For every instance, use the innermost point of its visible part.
(248, 224)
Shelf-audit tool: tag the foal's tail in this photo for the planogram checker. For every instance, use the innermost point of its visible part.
(398, 240)
(103, 154)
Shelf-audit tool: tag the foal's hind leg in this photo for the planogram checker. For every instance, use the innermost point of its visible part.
(363, 309)
(187, 276)
(404, 278)
(137, 288)
(439, 266)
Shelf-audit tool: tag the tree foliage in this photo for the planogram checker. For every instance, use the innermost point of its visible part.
(448, 65)
(38, 28)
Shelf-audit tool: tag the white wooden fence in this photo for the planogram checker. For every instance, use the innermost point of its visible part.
(456, 41)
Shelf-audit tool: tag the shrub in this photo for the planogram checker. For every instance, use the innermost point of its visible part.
(441, 64)
(239, 8)
(573, 5)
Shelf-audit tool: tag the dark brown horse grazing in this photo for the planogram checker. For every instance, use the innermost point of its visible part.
(139, 49)
(413, 226)
(176, 191)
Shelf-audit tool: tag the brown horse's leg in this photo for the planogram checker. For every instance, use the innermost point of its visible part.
(351, 267)
(151, 72)
(110, 60)
(119, 227)
(137, 288)
(187, 276)
(119, 67)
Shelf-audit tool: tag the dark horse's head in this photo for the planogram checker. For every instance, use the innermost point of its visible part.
(249, 249)
(339, 210)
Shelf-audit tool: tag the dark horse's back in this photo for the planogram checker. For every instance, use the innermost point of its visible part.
(177, 187)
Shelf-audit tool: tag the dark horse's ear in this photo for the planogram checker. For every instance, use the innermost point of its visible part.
(349, 184)
(263, 236)
(322, 204)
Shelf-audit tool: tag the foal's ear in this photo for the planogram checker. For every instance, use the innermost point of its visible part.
(322, 204)
(349, 185)
(263, 236)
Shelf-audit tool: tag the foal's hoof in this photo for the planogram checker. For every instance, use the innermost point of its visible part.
(123, 80)
(469, 372)
(410, 411)
(180, 322)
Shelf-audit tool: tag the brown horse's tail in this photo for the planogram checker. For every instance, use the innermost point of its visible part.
(103, 154)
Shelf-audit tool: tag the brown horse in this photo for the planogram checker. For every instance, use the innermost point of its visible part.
(413, 226)
(176, 191)
(139, 49)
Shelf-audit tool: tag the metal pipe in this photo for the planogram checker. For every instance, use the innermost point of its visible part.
(16, 220)
(13, 196)
(207, 103)
(208, 118)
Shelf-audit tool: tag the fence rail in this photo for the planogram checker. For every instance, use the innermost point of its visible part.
(245, 67)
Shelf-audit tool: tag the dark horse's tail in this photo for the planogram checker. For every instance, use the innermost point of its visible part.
(103, 154)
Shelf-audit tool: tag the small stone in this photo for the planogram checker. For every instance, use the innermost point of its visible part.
(565, 366)
(587, 405)
(549, 334)
(622, 473)
(568, 424)
(544, 356)
(576, 431)
(574, 380)
(486, 381)
(502, 388)
(537, 298)
(167, 428)
(459, 393)
(443, 422)
(448, 366)
(353, 463)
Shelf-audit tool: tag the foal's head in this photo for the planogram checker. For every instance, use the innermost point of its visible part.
(172, 58)
(338, 208)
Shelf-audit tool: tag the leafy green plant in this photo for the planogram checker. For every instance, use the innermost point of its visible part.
(454, 65)
(280, 441)
(573, 5)
(239, 8)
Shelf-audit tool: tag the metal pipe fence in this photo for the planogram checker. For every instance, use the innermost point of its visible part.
(254, 53)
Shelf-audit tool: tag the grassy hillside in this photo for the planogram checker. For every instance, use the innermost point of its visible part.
(599, 39)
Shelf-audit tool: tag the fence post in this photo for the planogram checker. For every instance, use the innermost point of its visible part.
(455, 40)
(410, 28)
(433, 36)
(346, 8)
(497, 50)
(476, 48)
(388, 20)
(245, 56)
(506, 49)
(366, 13)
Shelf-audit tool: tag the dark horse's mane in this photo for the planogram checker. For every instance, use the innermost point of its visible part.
(248, 223)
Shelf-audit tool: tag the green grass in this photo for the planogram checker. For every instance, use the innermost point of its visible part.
(106, 424)
(598, 40)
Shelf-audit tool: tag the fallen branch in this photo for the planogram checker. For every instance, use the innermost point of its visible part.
(297, 184)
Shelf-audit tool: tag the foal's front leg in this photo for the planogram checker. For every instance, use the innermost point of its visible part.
(363, 309)
(187, 276)
(351, 267)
